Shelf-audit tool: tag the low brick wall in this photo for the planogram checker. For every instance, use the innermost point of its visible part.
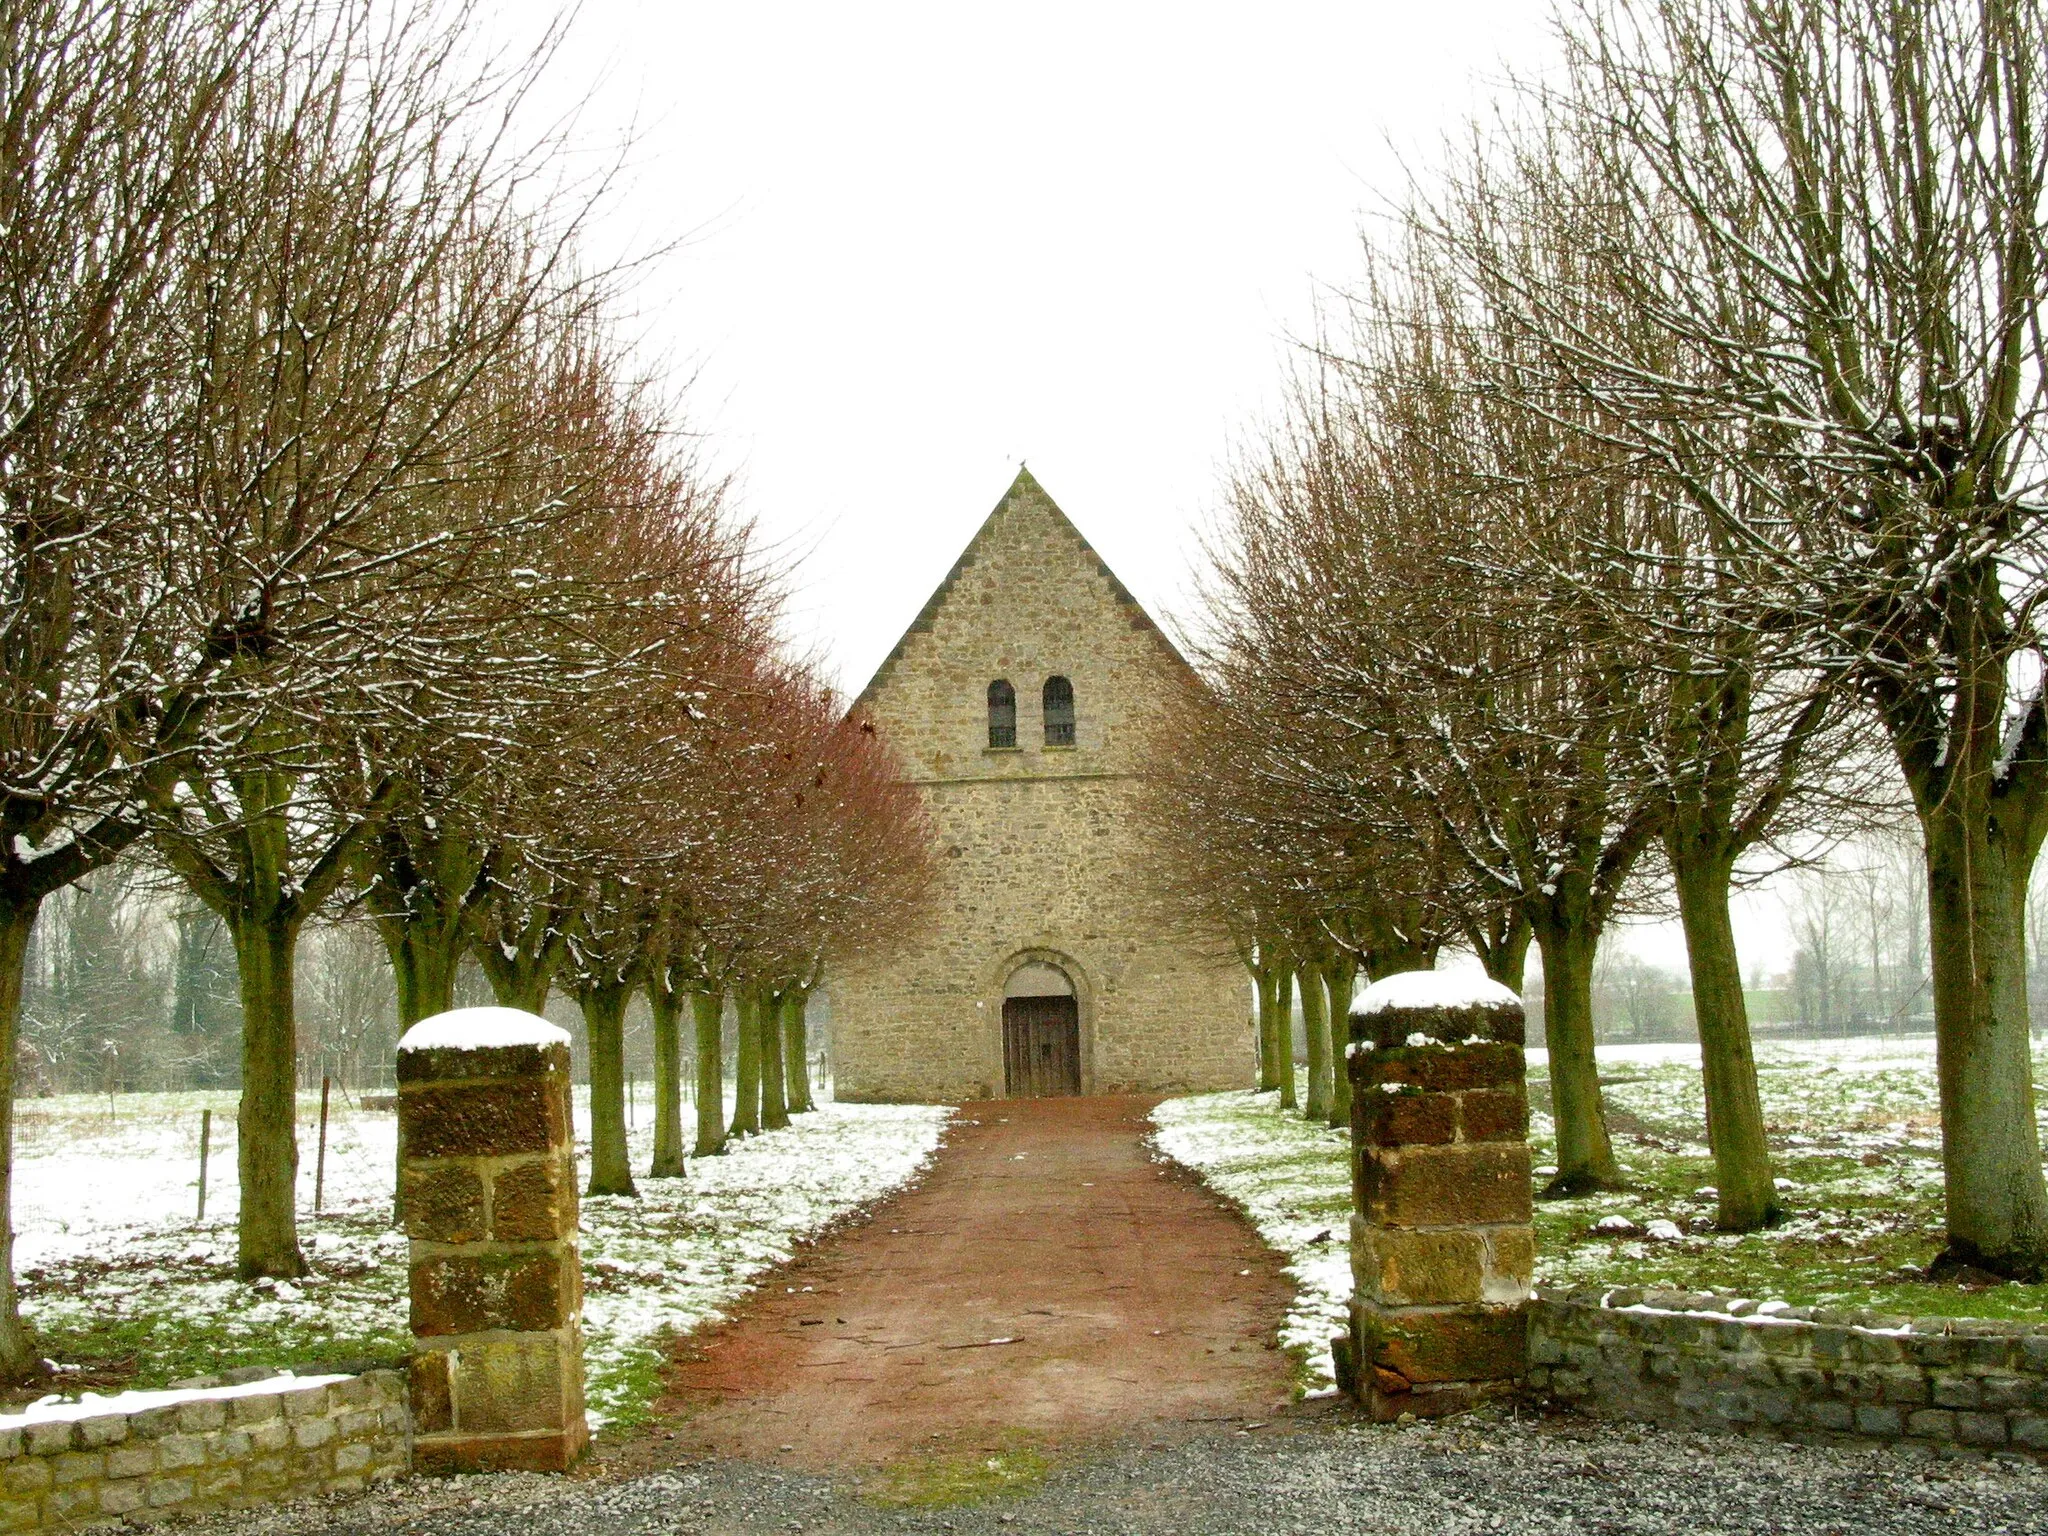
(143, 1456)
(1941, 1385)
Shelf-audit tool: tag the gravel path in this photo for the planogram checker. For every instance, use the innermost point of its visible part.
(1321, 1473)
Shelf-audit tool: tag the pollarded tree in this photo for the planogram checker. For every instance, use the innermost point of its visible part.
(110, 114)
(1838, 216)
(355, 278)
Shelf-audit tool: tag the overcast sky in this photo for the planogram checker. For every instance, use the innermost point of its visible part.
(925, 242)
(916, 244)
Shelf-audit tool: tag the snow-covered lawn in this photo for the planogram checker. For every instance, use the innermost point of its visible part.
(1855, 1134)
(1293, 1180)
(118, 1275)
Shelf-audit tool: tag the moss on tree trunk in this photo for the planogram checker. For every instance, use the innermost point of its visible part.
(604, 1022)
(665, 1011)
(707, 1016)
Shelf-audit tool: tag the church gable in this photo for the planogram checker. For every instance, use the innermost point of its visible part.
(1030, 604)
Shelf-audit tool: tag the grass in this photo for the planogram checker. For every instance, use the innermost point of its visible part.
(1856, 1142)
(1855, 1139)
(951, 1482)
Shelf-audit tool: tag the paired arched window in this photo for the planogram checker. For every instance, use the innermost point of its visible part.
(1057, 702)
(1059, 712)
(1002, 714)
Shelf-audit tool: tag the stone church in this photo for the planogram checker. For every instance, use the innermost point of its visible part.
(1014, 701)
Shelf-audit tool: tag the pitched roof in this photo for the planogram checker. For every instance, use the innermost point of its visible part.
(1026, 484)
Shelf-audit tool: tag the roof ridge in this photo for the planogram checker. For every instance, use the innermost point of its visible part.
(1024, 483)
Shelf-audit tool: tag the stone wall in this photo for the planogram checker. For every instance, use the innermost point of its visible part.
(144, 1456)
(1938, 1385)
(1038, 850)
(1441, 1250)
(489, 1173)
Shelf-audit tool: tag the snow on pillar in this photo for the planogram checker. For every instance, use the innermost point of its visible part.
(1441, 1248)
(489, 1180)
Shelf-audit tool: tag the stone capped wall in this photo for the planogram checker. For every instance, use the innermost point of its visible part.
(207, 1448)
(1441, 1247)
(1942, 1386)
(489, 1175)
(1037, 848)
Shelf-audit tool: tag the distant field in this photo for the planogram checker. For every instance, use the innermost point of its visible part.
(126, 1288)
(1854, 1130)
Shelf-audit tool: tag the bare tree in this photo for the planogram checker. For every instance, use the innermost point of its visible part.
(1838, 215)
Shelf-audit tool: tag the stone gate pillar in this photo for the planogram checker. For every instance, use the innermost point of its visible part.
(489, 1181)
(1441, 1250)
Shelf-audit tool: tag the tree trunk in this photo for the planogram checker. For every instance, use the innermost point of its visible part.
(424, 960)
(1585, 1156)
(516, 983)
(1267, 978)
(604, 1021)
(1340, 979)
(1283, 1028)
(707, 1015)
(17, 920)
(267, 1144)
(1735, 1114)
(1315, 1018)
(796, 1048)
(774, 1103)
(665, 1006)
(746, 1109)
(1990, 1150)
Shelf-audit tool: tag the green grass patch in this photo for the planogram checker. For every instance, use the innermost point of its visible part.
(953, 1481)
(1856, 1146)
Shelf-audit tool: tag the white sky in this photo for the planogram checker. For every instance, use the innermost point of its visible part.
(927, 241)
(919, 243)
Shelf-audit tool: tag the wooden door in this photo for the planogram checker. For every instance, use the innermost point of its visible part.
(1041, 1047)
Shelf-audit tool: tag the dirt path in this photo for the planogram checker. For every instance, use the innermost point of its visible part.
(1045, 1282)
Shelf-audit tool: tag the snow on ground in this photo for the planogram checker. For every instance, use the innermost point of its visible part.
(115, 1264)
(1856, 1140)
(1293, 1180)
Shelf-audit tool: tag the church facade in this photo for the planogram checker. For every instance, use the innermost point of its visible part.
(1017, 703)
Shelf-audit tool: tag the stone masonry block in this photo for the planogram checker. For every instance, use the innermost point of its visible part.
(1402, 1268)
(195, 1418)
(1405, 1118)
(137, 1459)
(78, 1467)
(523, 1292)
(444, 1203)
(1493, 1115)
(510, 1385)
(534, 1202)
(432, 1392)
(306, 1403)
(1445, 1344)
(1392, 1026)
(1510, 1264)
(106, 1429)
(29, 1475)
(72, 1505)
(311, 1434)
(175, 1451)
(49, 1437)
(123, 1498)
(488, 1119)
(254, 1410)
(19, 1514)
(544, 1062)
(1439, 1069)
(1482, 1184)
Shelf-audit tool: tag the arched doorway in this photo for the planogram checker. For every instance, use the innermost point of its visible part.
(1041, 1033)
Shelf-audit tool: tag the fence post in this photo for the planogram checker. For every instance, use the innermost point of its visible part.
(489, 1177)
(320, 1160)
(205, 1146)
(1441, 1247)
